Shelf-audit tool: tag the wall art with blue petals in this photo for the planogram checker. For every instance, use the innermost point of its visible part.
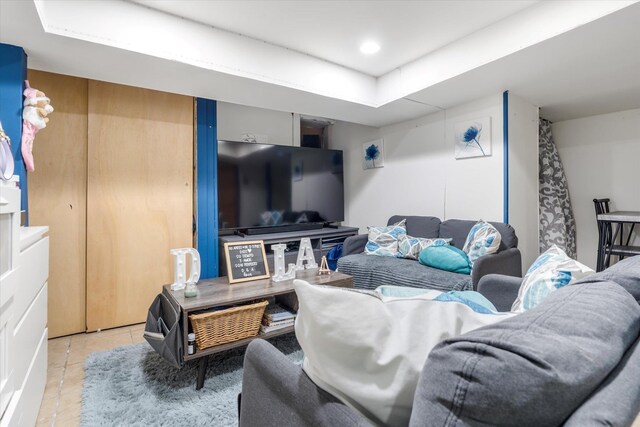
(473, 138)
(373, 154)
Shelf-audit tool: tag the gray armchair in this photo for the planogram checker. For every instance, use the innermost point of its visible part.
(276, 392)
(501, 290)
(573, 360)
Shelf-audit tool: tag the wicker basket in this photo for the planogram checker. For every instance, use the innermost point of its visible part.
(232, 324)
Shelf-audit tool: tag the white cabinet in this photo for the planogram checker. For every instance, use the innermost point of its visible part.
(24, 268)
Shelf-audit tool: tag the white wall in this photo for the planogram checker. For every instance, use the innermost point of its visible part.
(474, 186)
(601, 157)
(420, 174)
(269, 126)
(523, 176)
(347, 137)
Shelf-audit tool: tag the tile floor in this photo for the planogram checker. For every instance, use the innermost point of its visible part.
(63, 394)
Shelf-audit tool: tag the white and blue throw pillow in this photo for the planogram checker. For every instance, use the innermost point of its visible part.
(552, 270)
(410, 247)
(383, 241)
(483, 239)
(386, 342)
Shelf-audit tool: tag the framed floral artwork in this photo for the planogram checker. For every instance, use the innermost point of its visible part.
(473, 138)
(373, 154)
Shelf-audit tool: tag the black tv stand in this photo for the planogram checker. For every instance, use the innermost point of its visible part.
(322, 237)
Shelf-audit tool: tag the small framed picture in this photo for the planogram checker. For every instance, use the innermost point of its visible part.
(373, 154)
(473, 138)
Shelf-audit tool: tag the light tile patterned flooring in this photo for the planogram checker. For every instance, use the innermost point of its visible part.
(65, 375)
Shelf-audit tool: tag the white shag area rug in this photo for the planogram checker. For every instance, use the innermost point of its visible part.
(134, 386)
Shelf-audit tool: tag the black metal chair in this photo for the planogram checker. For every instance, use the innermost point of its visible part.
(604, 229)
(606, 238)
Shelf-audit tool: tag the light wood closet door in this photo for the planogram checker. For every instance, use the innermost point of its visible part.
(140, 198)
(58, 197)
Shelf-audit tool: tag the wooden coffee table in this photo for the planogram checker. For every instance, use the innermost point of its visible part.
(218, 292)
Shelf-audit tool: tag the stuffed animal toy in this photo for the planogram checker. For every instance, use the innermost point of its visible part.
(34, 117)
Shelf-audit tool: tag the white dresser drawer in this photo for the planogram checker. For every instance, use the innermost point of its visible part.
(25, 402)
(25, 282)
(7, 386)
(27, 335)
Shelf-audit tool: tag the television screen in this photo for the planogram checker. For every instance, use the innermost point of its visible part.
(262, 185)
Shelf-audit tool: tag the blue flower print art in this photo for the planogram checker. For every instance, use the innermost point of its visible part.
(372, 154)
(473, 138)
(472, 135)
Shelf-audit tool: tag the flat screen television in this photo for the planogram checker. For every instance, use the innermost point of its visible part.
(263, 187)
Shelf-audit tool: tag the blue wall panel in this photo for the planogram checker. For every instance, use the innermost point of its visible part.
(207, 186)
(505, 153)
(13, 73)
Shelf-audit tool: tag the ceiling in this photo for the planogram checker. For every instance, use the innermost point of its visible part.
(571, 58)
(334, 30)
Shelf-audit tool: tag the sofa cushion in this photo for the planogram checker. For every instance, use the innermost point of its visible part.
(378, 345)
(483, 239)
(410, 247)
(448, 258)
(617, 401)
(533, 369)
(625, 273)
(550, 271)
(370, 272)
(383, 241)
(458, 229)
(419, 226)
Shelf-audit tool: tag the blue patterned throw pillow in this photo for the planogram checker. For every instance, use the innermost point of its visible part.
(474, 300)
(410, 247)
(483, 239)
(552, 270)
(383, 241)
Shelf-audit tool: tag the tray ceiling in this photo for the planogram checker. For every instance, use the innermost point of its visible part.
(303, 56)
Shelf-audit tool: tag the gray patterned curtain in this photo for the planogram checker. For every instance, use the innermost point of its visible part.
(557, 225)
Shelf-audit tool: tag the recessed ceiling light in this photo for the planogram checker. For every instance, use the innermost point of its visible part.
(369, 47)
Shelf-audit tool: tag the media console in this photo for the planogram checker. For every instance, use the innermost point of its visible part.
(322, 240)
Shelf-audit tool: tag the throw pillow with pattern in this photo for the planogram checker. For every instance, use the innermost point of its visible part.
(383, 241)
(410, 247)
(552, 270)
(483, 239)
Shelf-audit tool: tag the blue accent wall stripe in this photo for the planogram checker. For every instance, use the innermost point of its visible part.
(13, 73)
(505, 153)
(207, 187)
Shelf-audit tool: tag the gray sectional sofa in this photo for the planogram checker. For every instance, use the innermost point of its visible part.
(369, 271)
(573, 360)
